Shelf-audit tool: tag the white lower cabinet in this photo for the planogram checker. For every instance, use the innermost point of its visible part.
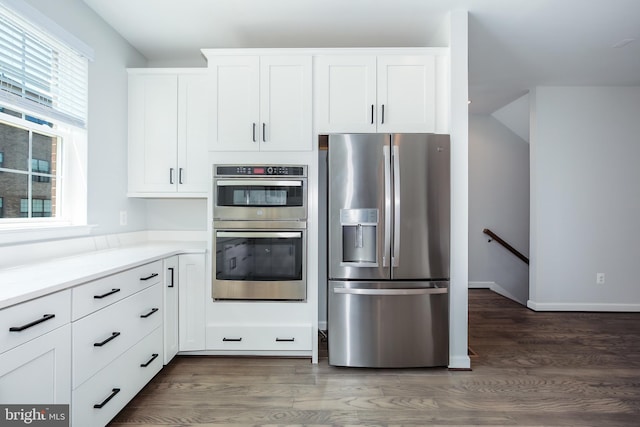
(193, 294)
(101, 337)
(118, 347)
(100, 398)
(259, 337)
(38, 371)
(170, 290)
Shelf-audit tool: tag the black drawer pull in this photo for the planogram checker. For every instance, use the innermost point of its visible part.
(225, 339)
(113, 291)
(111, 396)
(171, 269)
(285, 339)
(114, 335)
(153, 357)
(34, 323)
(149, 277)
(153, 310)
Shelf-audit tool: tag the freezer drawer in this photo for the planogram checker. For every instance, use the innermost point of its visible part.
(388, 324)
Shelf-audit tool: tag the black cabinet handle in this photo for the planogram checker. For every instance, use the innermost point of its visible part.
(264, 132)
(170, 175)
(113, 291)
(371, 113)
(254, 132)
(114, 335)
(34, 323)
(111, 396)
(153, 357)
(225, 339)
(171, 270)
(382, 113)
(180, 176)
(285, 339)
(153, 310)
(149, 277)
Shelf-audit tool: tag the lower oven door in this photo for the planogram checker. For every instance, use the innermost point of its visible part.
(259, 264)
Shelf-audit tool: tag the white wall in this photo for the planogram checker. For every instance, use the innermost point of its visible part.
(498, 200)
(107, 122)
(585, 198)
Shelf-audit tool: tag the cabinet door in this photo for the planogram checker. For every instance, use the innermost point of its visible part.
(194, 96)
(39, 371)
(346, 93)
(285, 103)
(235, 109)
(406, 93)
(192, 298)
(153, 127)
(171, 286)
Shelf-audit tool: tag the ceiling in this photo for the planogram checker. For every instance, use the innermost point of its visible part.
(514, 45)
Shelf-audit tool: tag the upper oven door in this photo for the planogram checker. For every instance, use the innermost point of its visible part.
(259, 199)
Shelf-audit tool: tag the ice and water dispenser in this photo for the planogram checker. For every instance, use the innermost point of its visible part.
(359, 237)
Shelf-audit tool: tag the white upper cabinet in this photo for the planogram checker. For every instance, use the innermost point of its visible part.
(168, 133)
(383, 93)
(346, 97)
(261, 103)
(406, 93)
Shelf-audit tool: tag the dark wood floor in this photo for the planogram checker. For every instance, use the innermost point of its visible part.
(533, 369)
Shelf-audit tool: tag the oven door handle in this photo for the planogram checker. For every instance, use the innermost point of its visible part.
(266, 182)
(260, 234)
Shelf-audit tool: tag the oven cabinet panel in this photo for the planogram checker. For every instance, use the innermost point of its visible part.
(261, 103)
(259, 337)
(192, 297)
(168, 132)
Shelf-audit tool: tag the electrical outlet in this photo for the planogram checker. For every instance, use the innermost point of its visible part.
(123, 217)
(600, 278)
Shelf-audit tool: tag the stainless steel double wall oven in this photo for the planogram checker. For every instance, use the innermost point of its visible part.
(259, 232)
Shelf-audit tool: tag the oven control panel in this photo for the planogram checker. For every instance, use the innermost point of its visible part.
(260, 170)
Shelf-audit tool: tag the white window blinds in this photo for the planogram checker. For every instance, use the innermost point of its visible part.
(39, 73)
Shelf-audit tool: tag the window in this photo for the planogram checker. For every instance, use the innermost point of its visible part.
(39, 73)
(43, 110)
(30, 171)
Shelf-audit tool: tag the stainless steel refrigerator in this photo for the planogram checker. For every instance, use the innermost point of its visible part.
(388, 250)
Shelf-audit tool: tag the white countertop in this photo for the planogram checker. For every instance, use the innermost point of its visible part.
(31, 281)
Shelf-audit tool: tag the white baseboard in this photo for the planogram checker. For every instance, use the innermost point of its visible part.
(495, 288)
(459, 362)
(564, 306)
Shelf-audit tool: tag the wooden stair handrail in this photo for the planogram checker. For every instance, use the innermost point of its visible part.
(510, 248)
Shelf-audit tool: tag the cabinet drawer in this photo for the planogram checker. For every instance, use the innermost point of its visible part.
(103, 292)
(121, 380)
(39, 371)
(103, 336)
(23, 322)
(259, 337)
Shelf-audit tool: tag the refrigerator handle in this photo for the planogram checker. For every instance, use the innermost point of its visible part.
(395, 256)
(387, 206)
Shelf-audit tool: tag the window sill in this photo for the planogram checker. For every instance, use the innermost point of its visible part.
(41, 232)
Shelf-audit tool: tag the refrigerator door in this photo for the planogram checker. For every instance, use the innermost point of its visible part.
(388, 324)
(359, 215)
(421, 200)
